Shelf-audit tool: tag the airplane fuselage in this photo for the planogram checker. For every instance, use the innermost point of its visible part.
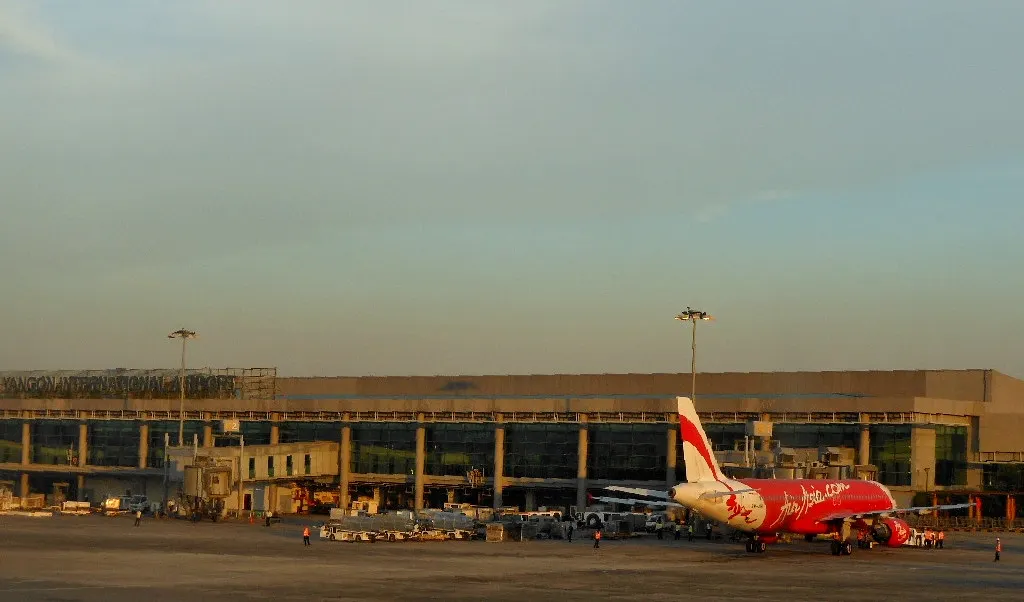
(772, 506)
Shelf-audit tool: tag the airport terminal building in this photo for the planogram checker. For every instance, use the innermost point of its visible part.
(515, 440)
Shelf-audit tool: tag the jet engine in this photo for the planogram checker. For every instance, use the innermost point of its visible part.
(892, 532)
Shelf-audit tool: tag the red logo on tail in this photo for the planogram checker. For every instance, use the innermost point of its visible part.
(691, 434)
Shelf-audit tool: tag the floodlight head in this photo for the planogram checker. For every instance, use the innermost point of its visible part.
(694, 315)
(182, 334)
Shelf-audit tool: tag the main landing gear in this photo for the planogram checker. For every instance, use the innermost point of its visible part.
(842, 548)
(756, 546)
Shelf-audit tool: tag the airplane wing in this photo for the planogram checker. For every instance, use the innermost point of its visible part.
(886, 513)
(718, 494)
(664, 495)
(635, 502)
(644, 492)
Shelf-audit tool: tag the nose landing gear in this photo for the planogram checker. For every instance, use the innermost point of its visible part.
(756, 546)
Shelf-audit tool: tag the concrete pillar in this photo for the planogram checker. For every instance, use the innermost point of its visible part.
(81, 488)
(581, 469)
(670, 458)
(922, 458)
(864, 449)
(421, 457)
(499, 464)
(207, 435)
(26, 443)
(344, 466)
(83, 444)
(24, 485)
(275, 434)
(531, 500)
(143, 445)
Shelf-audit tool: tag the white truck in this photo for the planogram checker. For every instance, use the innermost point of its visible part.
(595, 518)
(656, 520)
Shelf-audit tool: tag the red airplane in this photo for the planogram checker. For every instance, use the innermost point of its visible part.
(764, 509)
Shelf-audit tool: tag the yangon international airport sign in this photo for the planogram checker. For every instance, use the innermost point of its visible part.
(119, 383)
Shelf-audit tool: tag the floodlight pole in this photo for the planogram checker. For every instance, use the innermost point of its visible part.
(241, 480)
(184, 335)
(692, 315)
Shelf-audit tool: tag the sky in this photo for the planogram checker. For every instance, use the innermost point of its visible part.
(484, 187)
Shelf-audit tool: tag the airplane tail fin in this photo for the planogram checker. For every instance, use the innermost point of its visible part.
(699, 459)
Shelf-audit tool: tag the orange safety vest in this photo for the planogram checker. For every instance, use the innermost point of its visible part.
(597, 535)
(942, 535)
(305, 532)
(999, 546)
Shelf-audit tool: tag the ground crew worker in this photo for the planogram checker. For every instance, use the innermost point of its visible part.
(138, 517)
(305, 536)
(689, 532)
(679, 530)
(940, 538)
(660, 529)
(999, 548)
(708, 534)
(597, 539)
(569, 533)
(267, 516)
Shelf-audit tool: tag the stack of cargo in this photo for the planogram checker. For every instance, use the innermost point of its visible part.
(399, 526)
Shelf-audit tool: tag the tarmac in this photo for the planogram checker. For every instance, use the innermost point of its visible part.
(97, 558)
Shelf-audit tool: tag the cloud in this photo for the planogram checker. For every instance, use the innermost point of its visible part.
(23, 33)
(316, 120)
(714, 211)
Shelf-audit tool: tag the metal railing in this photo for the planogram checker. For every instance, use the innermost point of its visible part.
(325, 416)
(965, 523)
(905, 418)
(1001, 456)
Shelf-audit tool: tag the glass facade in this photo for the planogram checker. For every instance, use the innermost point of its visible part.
(950, 455)
(725, 436)
(890, 452)
(55, 442)
(294, 432)
(547, 451)
(10, 441)
(254, 432)
(627, 452)
(384, 448)
(817, 435)
(155, 453)
(113, 442)
(455, 449)
(1004, 477)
